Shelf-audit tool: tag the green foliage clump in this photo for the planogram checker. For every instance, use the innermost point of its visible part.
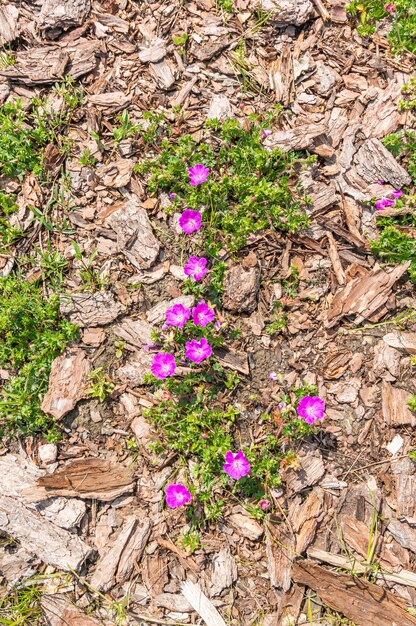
(402, 36)
(25, 133)
(32, 335)
(249, 188)
(8, 234)
(396, 246)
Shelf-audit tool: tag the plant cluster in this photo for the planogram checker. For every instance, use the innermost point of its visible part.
(195, 415)
(32, 335)
(251, 189)
(397, 240)
(402, 35)
(25, 133)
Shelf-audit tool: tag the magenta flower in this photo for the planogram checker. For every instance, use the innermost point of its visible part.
(190, 221)
(202, 314)
(163, 365)
(390, 8)
(236, 465)
(397, 193)
(198, 174)
(177, 315)
(384, 203)
(198, 351)
(172, 196)
(196, 267)
(311, 408)
(272, 376)
(177, 495)
(266, 132)
(264, 504)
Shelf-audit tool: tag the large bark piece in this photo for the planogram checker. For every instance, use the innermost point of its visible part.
(135, 238)
(394, 403)
(91, 309)
(361, 601)
(8, 23)
(45, 65)
(51, 544)
(364, 296)
(117, 563)
(304, 137)
(374, 162)
(58, 15)
(90, 478)
(68, 381)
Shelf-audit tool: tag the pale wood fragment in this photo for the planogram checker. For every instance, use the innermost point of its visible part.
(51, 544)
(68, 382)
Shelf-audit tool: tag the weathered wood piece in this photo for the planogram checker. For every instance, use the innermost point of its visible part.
(51, 544)
(58, 15)
(68, 382)
(135, 237)
(374, 162)
(363, 296)
(89, 478)
(362, 602)
(394, 403)
(9, 15)
(224, 572)
(402, 341)
(135, 332)
(91, 309)
(280, 552)
(117, 564)
(45, 65)
(303, 137)
(237, 361)
(309, 473)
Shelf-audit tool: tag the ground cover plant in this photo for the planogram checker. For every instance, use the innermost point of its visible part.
(402, 35)
(250, 189)
(32, 334)
(190, 418)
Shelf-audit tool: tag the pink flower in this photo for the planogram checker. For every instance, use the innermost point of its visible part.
(198, 351)
(397, 193)
(163, 365)
(379, 182)
(265, 133)
(177, 315)
(236, 465)
(390, 8)
(172, 195)
(202, 314)
(218, 325)
(311, 408)
(190, 221)
(264, 504)
(196, 267)
(198, 174)
(177, 495)
(272, 376)
(384, 203)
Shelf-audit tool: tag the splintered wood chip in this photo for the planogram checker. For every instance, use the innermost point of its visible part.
(402, 341)
(41, 66)
(96, 479)
(303, 137)
(362, 602)
(374, 162)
